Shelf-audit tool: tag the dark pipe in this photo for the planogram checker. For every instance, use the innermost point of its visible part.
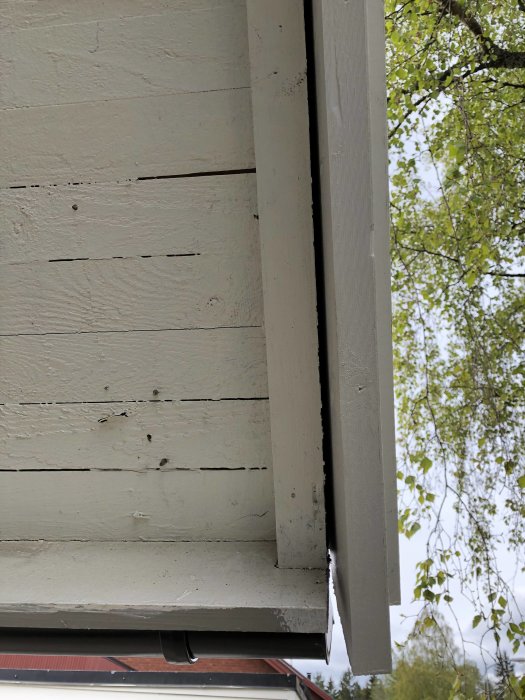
(176, 646)
(258, 645)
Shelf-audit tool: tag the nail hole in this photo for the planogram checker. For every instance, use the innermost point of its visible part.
(148, 437)
(163, 462)
(74, 207)
(155, 392)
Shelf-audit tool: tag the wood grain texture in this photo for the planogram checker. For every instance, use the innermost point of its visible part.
(150, 217)
(201, 291)
(134, 506)
(191, 49)
(136, 436)
(227, 587)
(281, 128)
(126, 139)
(195, 364)
(31, 14)
(380, 213)
(349, 52)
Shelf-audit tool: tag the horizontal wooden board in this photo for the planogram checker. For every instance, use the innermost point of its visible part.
(195, 364)
(227, 586)
(126, 139)
(149, 217)
(133, 506)
(196, 291)
(159, 52)
(28, 14)
(136, 436)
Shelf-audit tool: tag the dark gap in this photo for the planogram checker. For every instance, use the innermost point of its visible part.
(120, 401)
(204, 173)
(236, 398)
(315, 165)
(182, 255)
(222, 469)
(128, 257)
(134, 330)
(134, 471)
(141, 541)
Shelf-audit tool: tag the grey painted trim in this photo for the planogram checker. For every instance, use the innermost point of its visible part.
(281, 135)
(349, 60)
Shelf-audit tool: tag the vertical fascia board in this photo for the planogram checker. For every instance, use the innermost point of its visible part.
(351, 245)
(381, 251)
(282, 154)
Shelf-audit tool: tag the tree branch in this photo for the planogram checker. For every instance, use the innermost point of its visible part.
(505, 274)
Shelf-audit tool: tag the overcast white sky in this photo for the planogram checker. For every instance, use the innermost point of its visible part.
(402, 616)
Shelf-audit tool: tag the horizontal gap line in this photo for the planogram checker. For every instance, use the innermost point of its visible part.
(144, 178)
(141, 541)
(113, 257)
(133, 401)
(102, 100)
(133, 330)
(133, 471)
(203, 173)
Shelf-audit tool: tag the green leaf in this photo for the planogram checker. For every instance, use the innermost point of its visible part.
(415, 527)
(426, 463)
(475, 622)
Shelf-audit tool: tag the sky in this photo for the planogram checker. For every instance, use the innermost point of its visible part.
(402, 616)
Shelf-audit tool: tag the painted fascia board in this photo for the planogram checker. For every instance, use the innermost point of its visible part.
(198, 586)
(276, 32)
(349, 64)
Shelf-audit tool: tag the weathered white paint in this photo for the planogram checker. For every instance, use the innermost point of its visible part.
(184, 49)
(30, 14)
(26, 691)
(381, 255)
(134, 366)
(126, 139)
(194, 291)
(113, 92)
(163, 505)
(150, 217)
(349, 54)
(280, 112)
(201, 435)
(226, 586)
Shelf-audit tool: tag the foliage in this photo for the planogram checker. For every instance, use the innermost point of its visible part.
(429, 668)
(348, 687)
(456, 80)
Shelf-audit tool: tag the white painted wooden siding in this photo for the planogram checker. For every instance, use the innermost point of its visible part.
(146, 293)
(125, 139)
(179, 216)
(200, 435)
(136, 421)
(228, 586)
(131, 304)
(171, 505)
(83, 55)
